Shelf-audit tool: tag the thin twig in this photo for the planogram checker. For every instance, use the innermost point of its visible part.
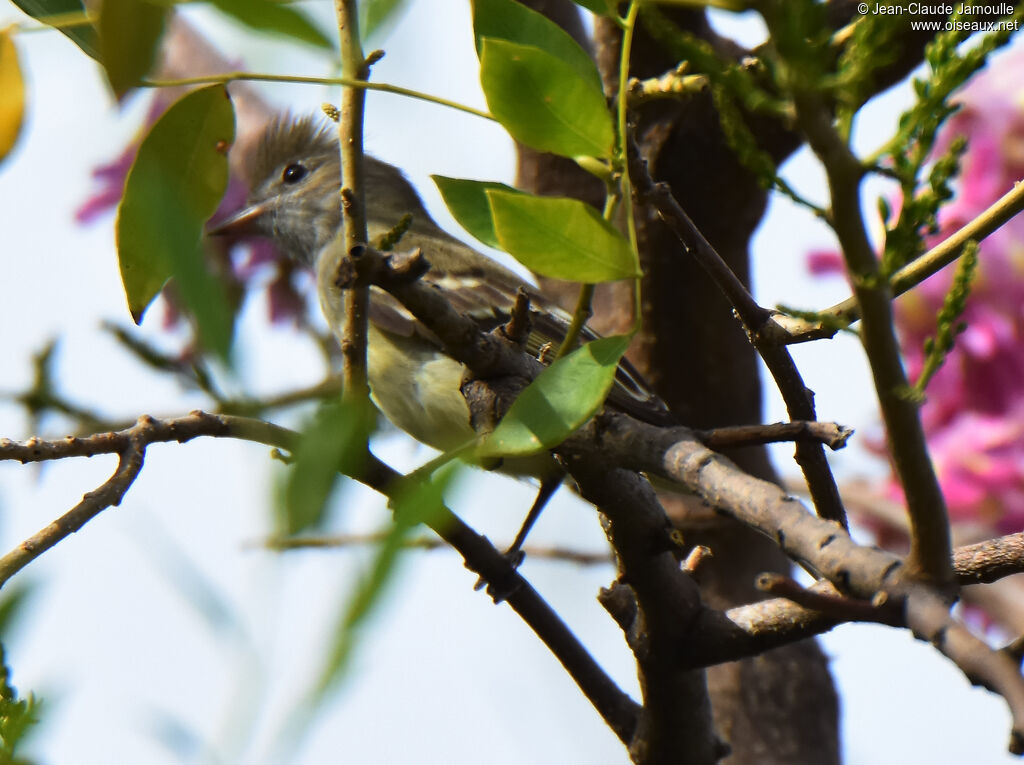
(336, 541)
(214, 79)
(938, 257)
(825, 599)
(480, 556)
(832, 434)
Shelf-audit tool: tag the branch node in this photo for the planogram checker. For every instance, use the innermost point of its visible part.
(517, 328)
(620, 602)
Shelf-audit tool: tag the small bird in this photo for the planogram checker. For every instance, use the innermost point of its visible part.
(294, 201)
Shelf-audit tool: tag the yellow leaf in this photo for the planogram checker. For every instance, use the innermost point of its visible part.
(12, 94)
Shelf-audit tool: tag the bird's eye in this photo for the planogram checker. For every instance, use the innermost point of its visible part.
(294, 173)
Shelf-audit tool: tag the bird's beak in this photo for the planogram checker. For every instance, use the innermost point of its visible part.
(246, 222)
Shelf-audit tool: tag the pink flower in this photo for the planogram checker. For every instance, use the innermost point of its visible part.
(825, 263)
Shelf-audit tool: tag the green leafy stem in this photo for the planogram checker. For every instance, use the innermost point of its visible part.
(350, 82)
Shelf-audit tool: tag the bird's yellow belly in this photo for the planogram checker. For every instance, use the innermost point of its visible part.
(417, 389)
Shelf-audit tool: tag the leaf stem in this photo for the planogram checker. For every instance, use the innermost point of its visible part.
(622, 104)
(944, 253)
(68, 20)
(350, 82)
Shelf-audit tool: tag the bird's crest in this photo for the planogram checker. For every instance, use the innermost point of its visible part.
(287, 139)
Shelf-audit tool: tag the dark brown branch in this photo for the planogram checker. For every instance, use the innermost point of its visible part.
(487, 355)
(618, 710)
(480, 556)
(675, 720)
(659, 195)
(798, 398)
(757, 627)
(928, 617)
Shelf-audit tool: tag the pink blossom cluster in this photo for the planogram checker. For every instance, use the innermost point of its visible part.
(974, 412)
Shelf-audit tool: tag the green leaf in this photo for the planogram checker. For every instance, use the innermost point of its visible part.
(175, 184)
(274, 18)
(17, 715)
(332, 444)
(543, 102)
(130, 31)
(561, 238)
(413, 503)
(374, 15)
(12, 604)
(560, 400)
(83, 35)
(12, 94)
(467, 202)
(514, 22)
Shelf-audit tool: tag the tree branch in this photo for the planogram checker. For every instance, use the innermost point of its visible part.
(356, 304)
(480, 556)
(991, 560)
(1004, 209)
(930, 540)
(798, 398)
(675, 723)
(831, 434)
(110, 493)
